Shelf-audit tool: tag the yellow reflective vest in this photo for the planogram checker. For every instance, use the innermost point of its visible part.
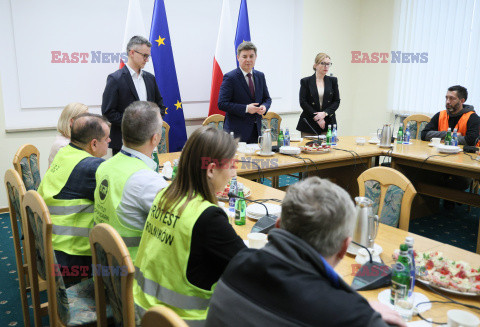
(72, 219)
(161, 263)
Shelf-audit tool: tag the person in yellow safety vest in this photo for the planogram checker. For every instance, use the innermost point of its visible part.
(456, 115)
(187, 241)
(128, 183)
(68, 188)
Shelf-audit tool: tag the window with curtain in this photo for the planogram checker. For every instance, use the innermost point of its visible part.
(449, 31)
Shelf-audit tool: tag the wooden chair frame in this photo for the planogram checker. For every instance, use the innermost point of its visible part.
(167, 131)
(162, 316)
(419, 118)
(25, 151)
(388, 176)
(269, 115)
(15, 181)
(114, 246)
(217, 118)
(33, 200)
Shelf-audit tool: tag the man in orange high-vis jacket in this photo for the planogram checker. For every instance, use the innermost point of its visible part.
(457, 115)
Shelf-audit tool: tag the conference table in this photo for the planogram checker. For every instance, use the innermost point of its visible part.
(345, 162)
(389, 238)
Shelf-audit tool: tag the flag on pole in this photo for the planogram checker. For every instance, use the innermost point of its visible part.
(134, 26)
(223, 61)
(166, 76)
(243, 27)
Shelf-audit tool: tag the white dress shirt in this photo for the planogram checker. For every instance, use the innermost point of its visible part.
(139, 192)
(139, 83)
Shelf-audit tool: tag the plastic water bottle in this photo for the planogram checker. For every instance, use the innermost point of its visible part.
(406, 136)
(334, 134)
(409, 242)
(233, 189)
(400, 135)
(240, 207)
(175, 168)
(455, 137)
(280, 138)
(329, 135)
(286, 138)
(448, 137)
(155, 158)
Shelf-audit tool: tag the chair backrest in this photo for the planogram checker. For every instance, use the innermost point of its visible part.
(26, 163)
(216, 121)
(42, 258)
(15, 192)
(162, 316)
(391, 192)
(113, 273)
(163, 145)
(416, 124)
(272, 121)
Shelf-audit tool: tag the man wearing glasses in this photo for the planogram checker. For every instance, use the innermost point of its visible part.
(128, 84)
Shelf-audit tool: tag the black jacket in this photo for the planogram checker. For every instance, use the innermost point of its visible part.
(286, 284)
(119, 93)
(310, 103)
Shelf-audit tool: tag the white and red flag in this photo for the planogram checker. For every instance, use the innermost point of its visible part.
(225, 56)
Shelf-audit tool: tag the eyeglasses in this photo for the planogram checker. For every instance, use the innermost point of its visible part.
(326, 64)
(145, 56)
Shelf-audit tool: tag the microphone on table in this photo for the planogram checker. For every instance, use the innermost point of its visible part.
(316, 142)
(371, 275)
(265, 223)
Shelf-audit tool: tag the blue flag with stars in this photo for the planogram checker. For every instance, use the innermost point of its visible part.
(243, 28)
(166, 77)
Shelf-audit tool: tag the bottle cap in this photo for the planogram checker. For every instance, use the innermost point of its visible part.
(403, 247)
(409, 240)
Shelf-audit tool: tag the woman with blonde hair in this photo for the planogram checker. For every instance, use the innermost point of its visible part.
(319, 98)
(64, 125)
(187, 241)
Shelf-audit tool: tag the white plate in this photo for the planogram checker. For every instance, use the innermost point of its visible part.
(448, 149)
(290, 149)
(257, 211)
(353, 249)
(373, 141)
(265, 154)
(446, 289)
(299, 139)
(314, 137)
(384, 297)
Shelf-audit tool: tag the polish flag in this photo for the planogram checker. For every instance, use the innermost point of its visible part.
(134, 26)
(225, 56)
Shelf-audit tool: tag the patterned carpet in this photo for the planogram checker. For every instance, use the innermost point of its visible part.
(457, 227)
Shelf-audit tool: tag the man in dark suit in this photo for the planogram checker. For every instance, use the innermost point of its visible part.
(244, 96)
(127, 85)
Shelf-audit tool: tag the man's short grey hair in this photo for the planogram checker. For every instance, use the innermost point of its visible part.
(141, 120)
(319, 212)
(137, 41)
(245, 46)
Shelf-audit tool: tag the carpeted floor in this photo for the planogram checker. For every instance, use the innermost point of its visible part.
(457, 227)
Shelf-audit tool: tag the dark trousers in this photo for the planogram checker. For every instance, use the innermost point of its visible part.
(253, 138)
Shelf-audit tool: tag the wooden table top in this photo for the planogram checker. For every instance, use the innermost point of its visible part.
(389, 238)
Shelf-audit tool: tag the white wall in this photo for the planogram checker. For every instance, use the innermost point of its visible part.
(334, 26)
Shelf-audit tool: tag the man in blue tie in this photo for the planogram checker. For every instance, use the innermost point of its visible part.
(244, 96)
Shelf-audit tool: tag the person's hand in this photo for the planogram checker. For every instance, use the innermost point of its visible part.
(321, 115)
(459, 134)
(261, 110)
(252, 108)
(390, 316)
(321, 123)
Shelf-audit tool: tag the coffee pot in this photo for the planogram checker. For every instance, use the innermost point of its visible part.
(265, 142)
(385, 136)
(366, 223)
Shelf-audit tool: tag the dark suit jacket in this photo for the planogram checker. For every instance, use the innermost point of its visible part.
(233, 99)
(310, 103)
(119, 93)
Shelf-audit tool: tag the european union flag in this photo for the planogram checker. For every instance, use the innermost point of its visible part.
(243, 28)
(166, 76)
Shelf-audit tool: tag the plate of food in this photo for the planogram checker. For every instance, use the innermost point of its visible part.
(223, 196)
(316, 149)
(442, 273)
